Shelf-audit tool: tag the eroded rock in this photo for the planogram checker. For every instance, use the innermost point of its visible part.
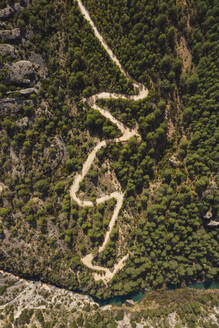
(9, 105)
(6, 12)
(173, 161)
(208, 215)
(8, 49)
(10, 35)
(2, 24)
(23, 122)
(18, 7)
(28, 91)
(213, 223)
(21, 71)
(39, 61)
(2, 187)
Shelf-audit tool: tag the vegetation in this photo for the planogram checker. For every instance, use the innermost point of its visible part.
(168, 177)
(55, 308)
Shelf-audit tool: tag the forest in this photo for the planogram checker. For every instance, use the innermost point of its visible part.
(169, 177)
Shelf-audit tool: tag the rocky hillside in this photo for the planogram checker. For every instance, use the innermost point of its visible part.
(50, 62)
(33, 304)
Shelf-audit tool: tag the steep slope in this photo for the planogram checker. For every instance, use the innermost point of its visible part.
(51, 61)
(34, 304)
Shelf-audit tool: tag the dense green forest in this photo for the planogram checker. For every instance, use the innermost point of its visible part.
(169, 177)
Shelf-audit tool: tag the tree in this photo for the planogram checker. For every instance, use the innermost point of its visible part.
(71, 165)
(201, 184)
(187, 114)
(165, 63)
(4, 211)
(41, 185)
(192, 82)
(59, 187)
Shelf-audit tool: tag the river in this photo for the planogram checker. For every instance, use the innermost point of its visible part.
(140, 295)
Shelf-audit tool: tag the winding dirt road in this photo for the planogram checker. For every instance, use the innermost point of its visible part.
(141, 92)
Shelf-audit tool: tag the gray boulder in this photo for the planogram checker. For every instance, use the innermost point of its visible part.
(2, 24)
(21, 71)
(18, 7)
(9, 105)
(10, 35)
(6, 12)
(8, 49)
(23, 122)
(173, 161)
(38, 60)
(213, 223)
(28, 91)
(24, 92)
(208, 215)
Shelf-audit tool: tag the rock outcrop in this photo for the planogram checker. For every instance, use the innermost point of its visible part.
(208, 215)
(213, 223)
(173, 161)
(10, 35)
(6, 12)
(28, 91)
(21, 71)
(38, 60)
(23, 122)
(18, 7)
(11, 10)
(8, 49)
(9, 105)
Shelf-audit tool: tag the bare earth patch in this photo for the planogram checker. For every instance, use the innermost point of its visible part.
(184, 53)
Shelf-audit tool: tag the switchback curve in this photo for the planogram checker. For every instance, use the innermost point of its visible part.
(141, 92)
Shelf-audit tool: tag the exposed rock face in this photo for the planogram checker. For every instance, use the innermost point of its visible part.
(38, 61)
(213, 223)
(10, 35)
(27, 92)
(2, 187)
(23, 122)
(208, 215)
(9, 11)
(23, 294)
(6, 12)
(9, 105)
(18, 7)
(21, 72)
(8, 49)
(2, 24)
(173, 161)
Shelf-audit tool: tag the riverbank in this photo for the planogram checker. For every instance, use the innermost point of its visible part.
(119, 300)
(23, 302)
(139, 296)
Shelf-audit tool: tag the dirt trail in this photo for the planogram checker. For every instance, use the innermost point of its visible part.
(2, 187)
(141, 92)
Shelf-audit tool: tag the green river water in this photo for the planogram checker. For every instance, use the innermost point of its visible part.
(137, 297)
